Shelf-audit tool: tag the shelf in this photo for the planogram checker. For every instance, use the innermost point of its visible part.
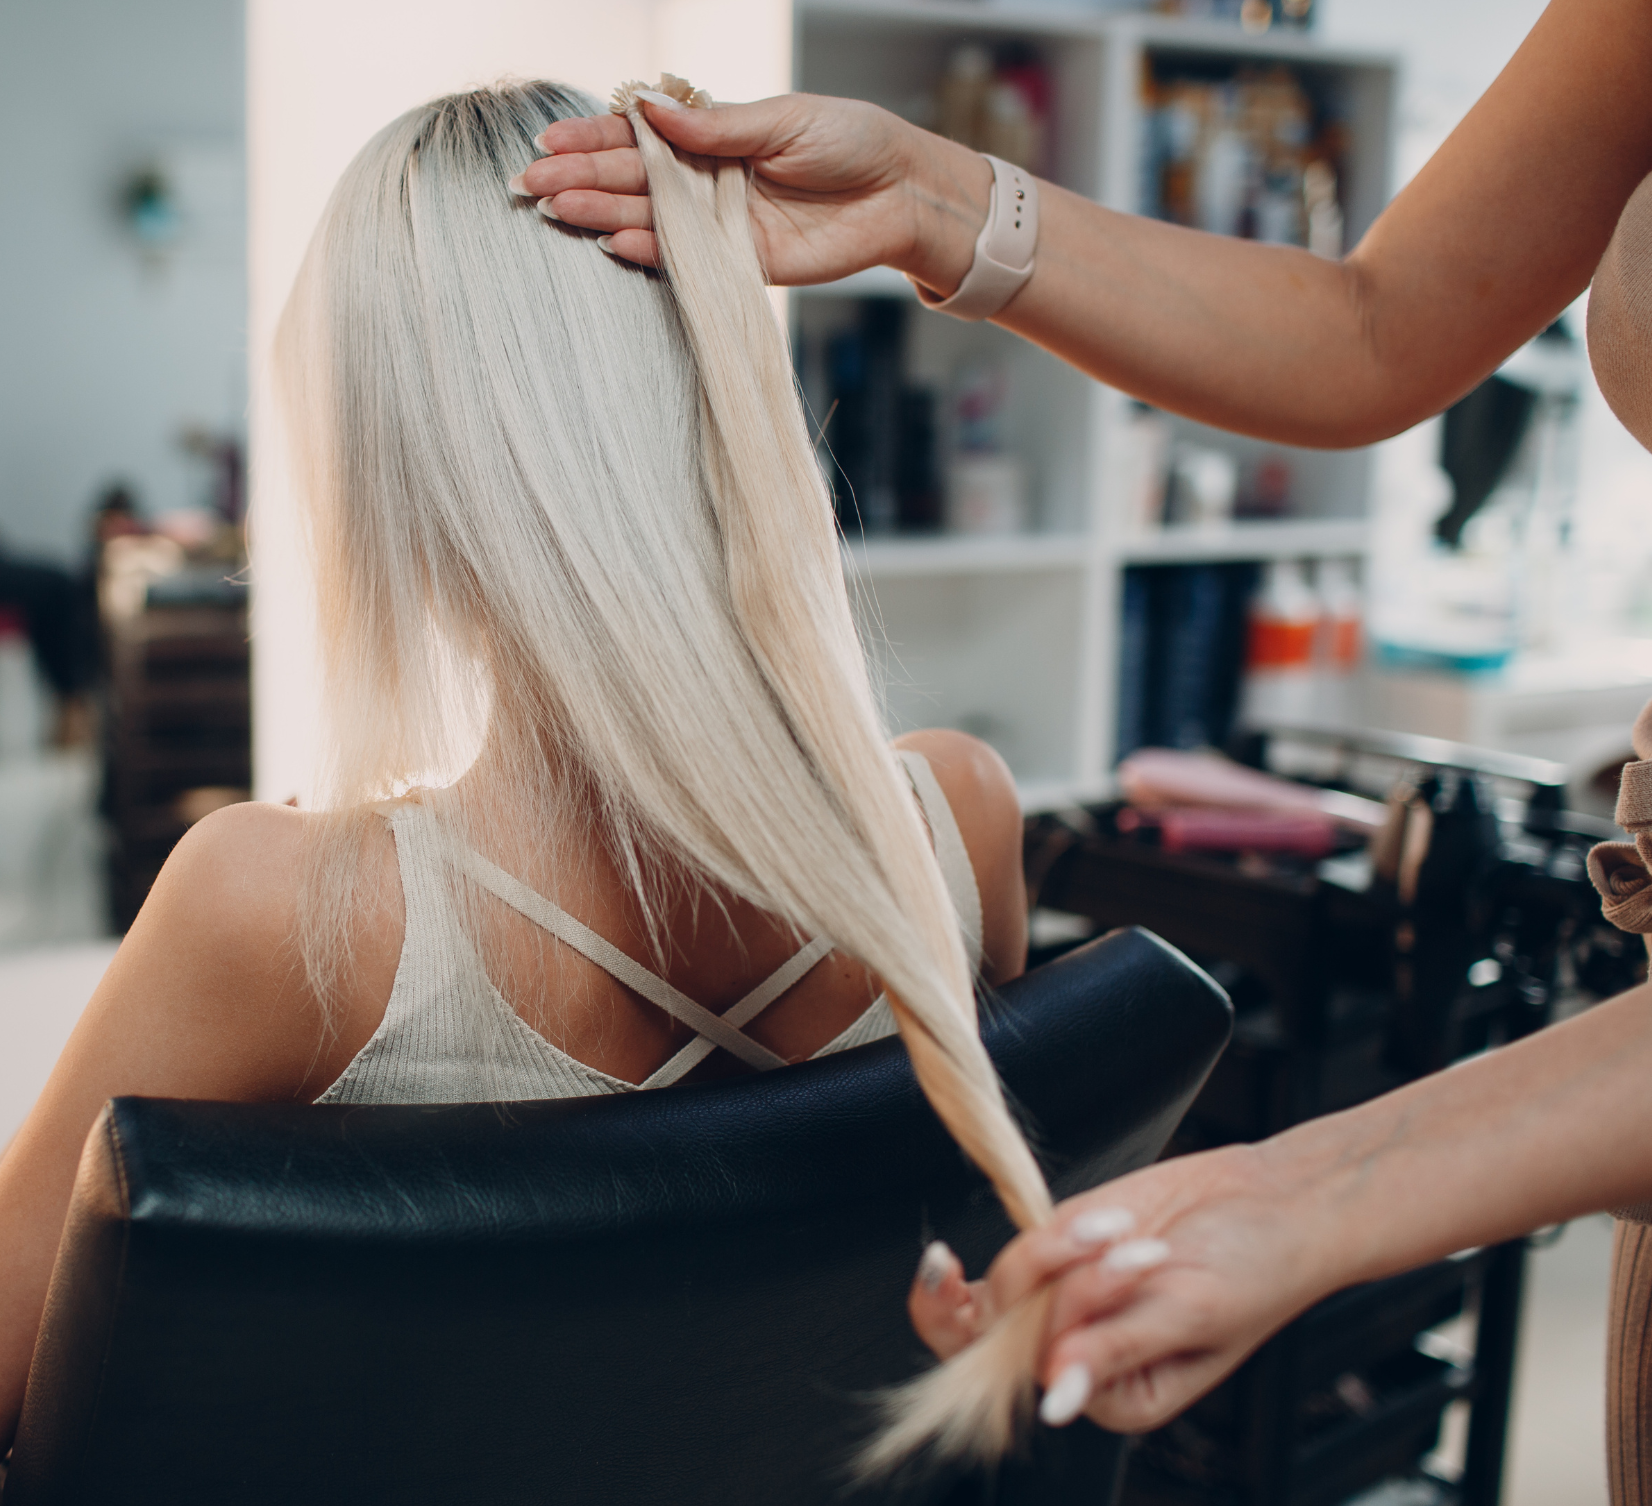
(968, 15)
(1157, 33)
(1053, 794)
(1018, 639)
(889, 559)
(1301, 538)
(1185, 34)
(874, 282)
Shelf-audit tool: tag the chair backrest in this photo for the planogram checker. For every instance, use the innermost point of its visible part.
(679, 1296)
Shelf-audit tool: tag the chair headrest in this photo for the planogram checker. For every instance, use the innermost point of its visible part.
(1091, 1048)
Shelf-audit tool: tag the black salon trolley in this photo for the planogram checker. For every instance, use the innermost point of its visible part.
(1346, 988)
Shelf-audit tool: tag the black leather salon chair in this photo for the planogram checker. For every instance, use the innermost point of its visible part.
(676, 1297)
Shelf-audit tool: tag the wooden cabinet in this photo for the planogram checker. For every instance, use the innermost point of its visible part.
(177, 735)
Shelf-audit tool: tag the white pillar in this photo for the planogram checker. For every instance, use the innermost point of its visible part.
(322, 77)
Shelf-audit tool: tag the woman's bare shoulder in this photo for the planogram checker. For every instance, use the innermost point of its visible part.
(976, 780)
(240, 865)
(980, 789)
(214, 956)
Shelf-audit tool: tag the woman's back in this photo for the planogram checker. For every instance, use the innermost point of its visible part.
(526, 1014)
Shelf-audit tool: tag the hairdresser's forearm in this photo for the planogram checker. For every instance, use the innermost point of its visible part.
(1497, 234)
(1266, 339)
(1555, 1126)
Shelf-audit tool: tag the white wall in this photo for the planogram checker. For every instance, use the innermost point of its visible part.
(323, 75)
(102, 358)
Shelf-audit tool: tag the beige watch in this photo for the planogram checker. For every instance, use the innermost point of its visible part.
(1003, 250)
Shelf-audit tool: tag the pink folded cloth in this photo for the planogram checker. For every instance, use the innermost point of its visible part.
(1154, 777)
(1304, 833)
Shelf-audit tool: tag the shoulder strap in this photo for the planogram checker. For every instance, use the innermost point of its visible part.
(430, 926)
(553, 918)
(743, 1013)
(950, 851)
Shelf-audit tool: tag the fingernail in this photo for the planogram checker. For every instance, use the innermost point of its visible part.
(544, 207)
(517, 186)
(1099, 1225)
(539, 141)
(1067, 1397)
(1136, 1255)
(664, 101)
(936, 1258)
(606, 243)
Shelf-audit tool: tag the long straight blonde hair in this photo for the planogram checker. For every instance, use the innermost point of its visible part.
(568, 508)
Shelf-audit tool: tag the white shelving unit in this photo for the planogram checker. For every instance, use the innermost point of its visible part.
(1016, 638)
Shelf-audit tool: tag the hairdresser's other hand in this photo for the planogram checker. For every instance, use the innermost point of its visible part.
(837, 186)
(1164, 1281)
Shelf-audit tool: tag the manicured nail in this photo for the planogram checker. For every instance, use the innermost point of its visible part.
(934, 1263)
(539, 141)
(1100, 1225)
(517, 186)
(544, 207)
(664, 101)
(1067, 1397)
(1136, 1255)
(606, 243)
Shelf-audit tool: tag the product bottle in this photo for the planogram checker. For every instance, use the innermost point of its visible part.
(1279, 658)
(1341, 641)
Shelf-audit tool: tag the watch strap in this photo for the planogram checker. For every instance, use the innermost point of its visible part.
(1004, 249)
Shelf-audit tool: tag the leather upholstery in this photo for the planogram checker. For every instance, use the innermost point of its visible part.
(679, 1296)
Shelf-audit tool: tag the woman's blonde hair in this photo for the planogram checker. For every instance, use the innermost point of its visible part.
(569, 508)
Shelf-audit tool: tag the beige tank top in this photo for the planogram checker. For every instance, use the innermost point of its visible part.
(449, 1036)
(1620, 317)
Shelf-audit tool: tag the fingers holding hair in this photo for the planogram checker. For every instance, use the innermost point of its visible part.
(1084, 1229)
(948, 1312)
(604, 188)
(1134, 1371)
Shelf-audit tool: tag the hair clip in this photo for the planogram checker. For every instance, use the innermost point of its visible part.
(672, 92)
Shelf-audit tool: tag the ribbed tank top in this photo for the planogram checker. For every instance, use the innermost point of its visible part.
(449, 1036)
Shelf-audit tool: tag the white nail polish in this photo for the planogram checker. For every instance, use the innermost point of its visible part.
(606, 243)
(1067, 1397)
(540, 144)
(544, 207)
(664, 101)
(517, 186)
(1100, 1225)
(932, 1265)
(1136, 1255)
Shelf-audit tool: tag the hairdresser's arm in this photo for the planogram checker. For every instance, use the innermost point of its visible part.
(1557, 1125)
(205, 999)
(1493, 238)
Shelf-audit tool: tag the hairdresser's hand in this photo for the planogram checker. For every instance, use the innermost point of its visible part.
(837, 186)
(1164, 1281)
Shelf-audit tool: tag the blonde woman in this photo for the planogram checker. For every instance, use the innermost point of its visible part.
(610, 805)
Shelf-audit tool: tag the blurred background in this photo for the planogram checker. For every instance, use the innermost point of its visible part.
(1060, 570)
